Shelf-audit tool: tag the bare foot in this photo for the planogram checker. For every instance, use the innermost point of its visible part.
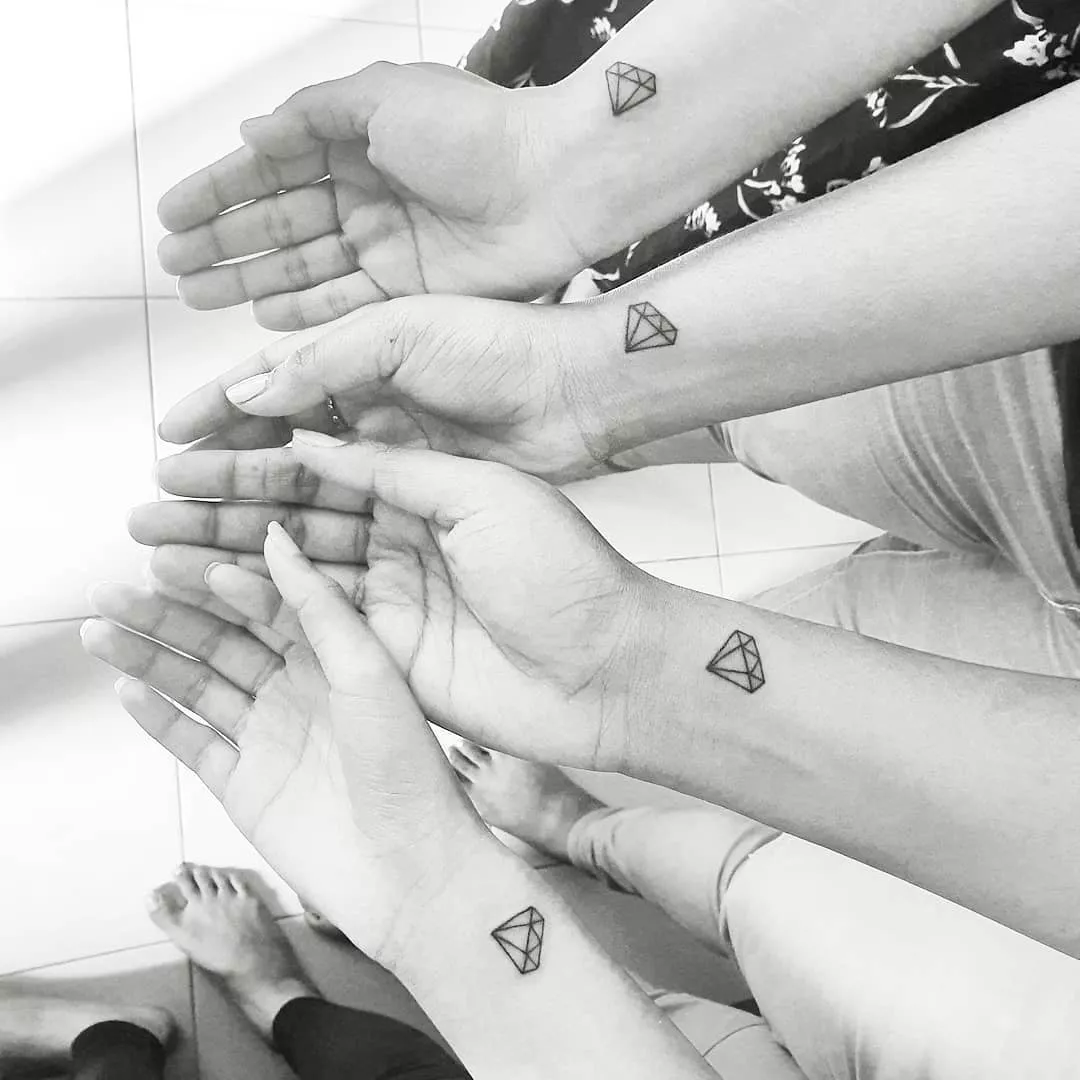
(39, 1031)
(536, 803)
(214, 917)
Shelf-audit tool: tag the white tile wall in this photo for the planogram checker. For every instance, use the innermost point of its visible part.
(69, 214)
(78, 450)
(127, 99)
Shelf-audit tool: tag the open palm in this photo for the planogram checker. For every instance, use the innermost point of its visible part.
(481, 378)
(349, 806)
(351, 210)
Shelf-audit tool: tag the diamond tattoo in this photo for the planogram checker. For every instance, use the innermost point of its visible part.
(739, 662)
(521, 937)
(628, 87)
(648, 328)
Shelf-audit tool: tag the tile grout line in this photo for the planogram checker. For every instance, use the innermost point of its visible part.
(90, 956)
(715, 528)
(419, 28)
(154, 451)
(142, 229)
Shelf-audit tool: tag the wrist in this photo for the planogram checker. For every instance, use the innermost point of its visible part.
(486, 874)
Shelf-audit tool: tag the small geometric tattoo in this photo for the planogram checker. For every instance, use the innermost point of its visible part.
(521, 937)
(739, 662)
(628, 87)
(647, 328)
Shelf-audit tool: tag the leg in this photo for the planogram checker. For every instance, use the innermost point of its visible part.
(679, 859)
(91, 1039)
(970, 461)
(322, 1041)
(225, 928)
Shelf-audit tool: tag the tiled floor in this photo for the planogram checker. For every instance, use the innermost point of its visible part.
(93, 346)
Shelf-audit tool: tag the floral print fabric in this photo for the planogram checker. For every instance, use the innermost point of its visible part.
(1017, 52)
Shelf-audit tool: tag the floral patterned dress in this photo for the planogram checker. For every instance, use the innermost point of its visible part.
(1014, 54)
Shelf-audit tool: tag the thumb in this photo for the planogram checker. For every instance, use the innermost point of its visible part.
(292, 375)
(338, 110)
(352, 658)
(439, 488)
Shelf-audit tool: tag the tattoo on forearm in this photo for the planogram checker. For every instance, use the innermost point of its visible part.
(521, 937)
(628, 87)
(648, 328)
(739, 662)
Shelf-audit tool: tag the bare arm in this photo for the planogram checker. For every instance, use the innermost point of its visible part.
(956, 777)
(964, 253)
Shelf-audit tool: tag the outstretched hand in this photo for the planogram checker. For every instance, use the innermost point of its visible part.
(311, 741)
(525, 385)
(350, 209)
(515, 623)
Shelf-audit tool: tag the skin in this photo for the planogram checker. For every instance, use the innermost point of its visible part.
(518, 627)
(321, 756)
(532, 184)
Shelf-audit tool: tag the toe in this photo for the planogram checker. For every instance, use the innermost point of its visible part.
(204, 881)
(464, 766)
(221, 881)
(165, 903)
(239, 885)
(185, 882)
(479, 754)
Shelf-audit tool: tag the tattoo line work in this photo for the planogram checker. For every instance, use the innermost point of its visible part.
(739, 662)
(648, 328)
(521, 937)
(628, 86)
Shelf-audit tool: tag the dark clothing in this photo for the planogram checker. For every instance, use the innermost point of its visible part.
(320, 1041)
(1014, 54)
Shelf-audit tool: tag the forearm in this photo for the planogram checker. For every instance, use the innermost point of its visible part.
(962, 254)
(565, 1009)
(956, 777)
(735, 81)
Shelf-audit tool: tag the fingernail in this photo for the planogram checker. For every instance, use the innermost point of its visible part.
(209, 570)
(277, 532)
(247, 389)
(121, 683)
(315, 438)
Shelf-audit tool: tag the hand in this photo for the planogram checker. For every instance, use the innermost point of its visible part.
(465, 376)
(436, 181)
(516, 624)
(311, 741)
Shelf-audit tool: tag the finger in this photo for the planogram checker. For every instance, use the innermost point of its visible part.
(268, 475)
(227, 648)
(234, 179)
(338, 110)
(354, 661)
(463, 766)
(207, 410)
(358, 356)
(254, 597)
(192, 685)
(241, 432)
(183, 569)
(184, 566)
(299, 267)
(330, 535)
(195, 745)
(207, 601)
(320, 304)
(277, 221)
(437, 487)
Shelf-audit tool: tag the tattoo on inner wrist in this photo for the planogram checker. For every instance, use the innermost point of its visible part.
(628, 86)
(521, 937)
(648, 328)
(739, 661)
